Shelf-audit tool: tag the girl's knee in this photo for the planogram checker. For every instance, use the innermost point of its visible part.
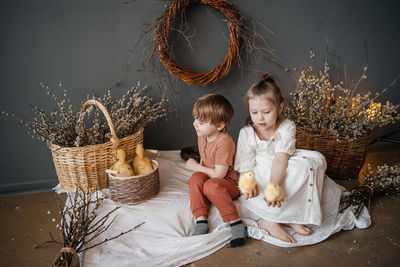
(316, 156)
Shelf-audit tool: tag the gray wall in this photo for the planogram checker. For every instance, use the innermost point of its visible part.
(85, 45)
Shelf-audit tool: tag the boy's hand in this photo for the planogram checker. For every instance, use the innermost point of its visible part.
(253, 193)
(191, 164)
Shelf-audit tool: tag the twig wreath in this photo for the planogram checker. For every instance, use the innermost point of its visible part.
(248, 47)
(172, 16)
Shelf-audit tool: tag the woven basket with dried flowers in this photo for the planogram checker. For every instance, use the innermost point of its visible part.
(332, 119)
(82, 155)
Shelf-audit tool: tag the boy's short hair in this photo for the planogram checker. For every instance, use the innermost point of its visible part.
(213, 108)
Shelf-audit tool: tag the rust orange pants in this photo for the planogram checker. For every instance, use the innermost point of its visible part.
(219, 191)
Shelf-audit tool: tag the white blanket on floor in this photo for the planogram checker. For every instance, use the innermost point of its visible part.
(163, 240)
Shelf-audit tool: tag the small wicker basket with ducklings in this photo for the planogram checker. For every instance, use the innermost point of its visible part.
(131, 185)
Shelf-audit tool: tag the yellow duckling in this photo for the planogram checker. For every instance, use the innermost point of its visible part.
(121, 166)
(273, 193)
(141, 163)
(247, 182)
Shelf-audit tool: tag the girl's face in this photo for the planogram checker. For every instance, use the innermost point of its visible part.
(263, 113)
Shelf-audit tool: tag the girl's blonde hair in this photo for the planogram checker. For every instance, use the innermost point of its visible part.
(213, 108)
(268, 89)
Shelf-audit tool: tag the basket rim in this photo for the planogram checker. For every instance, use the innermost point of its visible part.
(308, 130)
(155, 169)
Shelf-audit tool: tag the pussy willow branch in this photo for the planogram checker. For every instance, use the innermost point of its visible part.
(320, 104)
(133, 111)
(80, 224)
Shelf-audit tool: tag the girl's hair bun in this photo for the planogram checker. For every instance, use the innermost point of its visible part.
(267, 78)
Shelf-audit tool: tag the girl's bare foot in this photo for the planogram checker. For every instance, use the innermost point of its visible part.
(276, 230)
(300, 229)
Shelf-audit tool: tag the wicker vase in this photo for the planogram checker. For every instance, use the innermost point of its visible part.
(85, 166)
(344, 158)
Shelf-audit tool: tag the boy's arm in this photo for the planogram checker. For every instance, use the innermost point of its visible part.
(218, 172)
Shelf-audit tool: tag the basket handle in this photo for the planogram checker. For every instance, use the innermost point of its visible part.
(114, 138)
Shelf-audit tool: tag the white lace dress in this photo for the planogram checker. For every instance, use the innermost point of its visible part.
(309, 194)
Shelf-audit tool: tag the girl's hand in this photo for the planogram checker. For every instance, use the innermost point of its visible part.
(253, 193)
(191, 164)
(273, 203)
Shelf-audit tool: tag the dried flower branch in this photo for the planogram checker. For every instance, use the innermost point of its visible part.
(321, 104)
(80, 225)
(385, 181)
(132, 111)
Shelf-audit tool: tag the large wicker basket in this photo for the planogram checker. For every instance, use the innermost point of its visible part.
(85, 166)
(136, 189)
(344, 158)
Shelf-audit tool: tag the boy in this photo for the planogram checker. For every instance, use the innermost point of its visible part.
(214, 180)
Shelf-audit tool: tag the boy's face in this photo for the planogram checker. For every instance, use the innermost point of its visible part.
(206, 128)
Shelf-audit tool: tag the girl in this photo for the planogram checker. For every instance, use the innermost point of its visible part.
(267, 146)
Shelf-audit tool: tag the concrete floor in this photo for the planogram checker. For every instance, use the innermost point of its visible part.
(24, 222)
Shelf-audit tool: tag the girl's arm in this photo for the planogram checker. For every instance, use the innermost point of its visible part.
(279, 166)
(278, 173)
(218, 172)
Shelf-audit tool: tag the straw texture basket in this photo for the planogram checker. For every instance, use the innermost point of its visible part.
(344, 158)
(86, 166)
(133, 190)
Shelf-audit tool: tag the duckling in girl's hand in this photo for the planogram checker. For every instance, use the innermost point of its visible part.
(141, 163)
(121, 166)
(273, 193)
(247, 183)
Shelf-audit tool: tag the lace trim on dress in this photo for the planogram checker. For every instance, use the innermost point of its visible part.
(298, 218)
(295, 218)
